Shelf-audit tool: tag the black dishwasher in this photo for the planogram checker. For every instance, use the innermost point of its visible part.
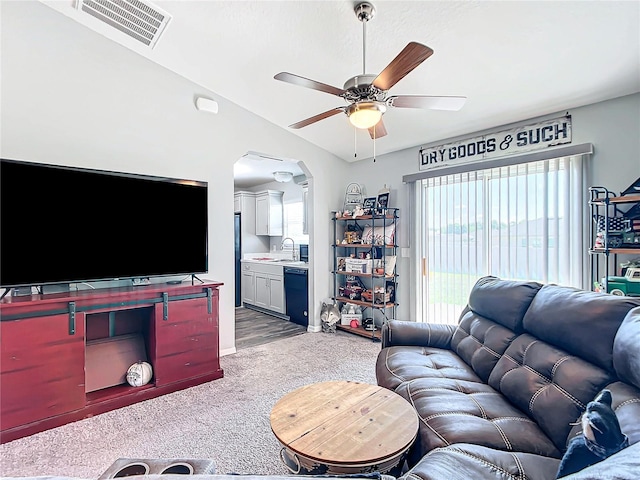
(296, 295)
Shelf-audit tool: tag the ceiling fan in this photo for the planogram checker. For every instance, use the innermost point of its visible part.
(367, 94)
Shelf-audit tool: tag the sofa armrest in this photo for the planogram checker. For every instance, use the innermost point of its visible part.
(399, 332)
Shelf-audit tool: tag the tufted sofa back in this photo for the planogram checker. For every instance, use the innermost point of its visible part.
(626, 393)
(580, 322)
(493, 319)
(563, 358)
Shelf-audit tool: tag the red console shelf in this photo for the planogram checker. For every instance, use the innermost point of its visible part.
(43, 350)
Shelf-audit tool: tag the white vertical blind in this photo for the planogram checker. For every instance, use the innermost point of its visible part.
(520, 222)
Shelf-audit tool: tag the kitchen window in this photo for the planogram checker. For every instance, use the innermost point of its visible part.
(294, 223)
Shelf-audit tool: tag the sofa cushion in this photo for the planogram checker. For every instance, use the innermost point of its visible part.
(552, 386)
(396, 365)
(626, 349)
(481, 342)
(579, 322)
(503, 301)
(470, 462)
(455, 411)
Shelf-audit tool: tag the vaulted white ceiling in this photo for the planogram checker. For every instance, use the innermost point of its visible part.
(513, 60)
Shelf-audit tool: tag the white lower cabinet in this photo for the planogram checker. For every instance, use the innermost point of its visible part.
(270, 292)
(276, 294)
(263, 286)
(248, 286)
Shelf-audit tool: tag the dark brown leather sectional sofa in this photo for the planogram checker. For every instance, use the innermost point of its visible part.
(498, 393)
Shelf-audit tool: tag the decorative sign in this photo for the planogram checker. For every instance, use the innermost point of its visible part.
(536, 136)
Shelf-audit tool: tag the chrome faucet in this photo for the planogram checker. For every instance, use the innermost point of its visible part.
(293, 247)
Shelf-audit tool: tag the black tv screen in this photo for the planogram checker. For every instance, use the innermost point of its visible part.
(65, 224)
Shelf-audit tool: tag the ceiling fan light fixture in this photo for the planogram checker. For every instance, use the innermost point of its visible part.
(282, 177)
(365, 115)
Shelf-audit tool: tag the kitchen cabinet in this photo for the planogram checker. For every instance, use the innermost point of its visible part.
(244, 202)
(270, 291)
(263, 286)
(269, 213)
(248, 286)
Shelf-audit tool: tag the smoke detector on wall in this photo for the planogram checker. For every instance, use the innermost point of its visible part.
(139, 19)
(206, 105)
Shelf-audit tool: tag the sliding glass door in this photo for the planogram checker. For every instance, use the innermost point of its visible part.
(522, 222)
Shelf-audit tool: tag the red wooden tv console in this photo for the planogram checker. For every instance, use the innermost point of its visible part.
(44, 339)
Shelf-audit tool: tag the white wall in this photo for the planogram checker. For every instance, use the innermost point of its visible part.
(613, 127)
(71, 97)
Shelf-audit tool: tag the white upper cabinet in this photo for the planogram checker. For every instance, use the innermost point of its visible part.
(269, 213)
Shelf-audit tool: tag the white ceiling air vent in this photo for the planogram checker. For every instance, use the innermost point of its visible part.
(140, 20)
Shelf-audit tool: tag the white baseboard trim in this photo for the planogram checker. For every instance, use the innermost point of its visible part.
(228, 351)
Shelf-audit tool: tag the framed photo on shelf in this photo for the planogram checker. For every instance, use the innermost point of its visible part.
(391, 291)
(369, 204)
(382, 201)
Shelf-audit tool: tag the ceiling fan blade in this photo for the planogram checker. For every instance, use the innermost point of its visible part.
(378, 130)
(409, 58)
(425, 101)
(305, 82)
(316, 118)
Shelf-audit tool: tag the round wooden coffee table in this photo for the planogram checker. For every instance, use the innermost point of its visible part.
(343, 427)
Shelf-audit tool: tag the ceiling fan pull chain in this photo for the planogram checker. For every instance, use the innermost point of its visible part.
(374, 144)
(355, 142)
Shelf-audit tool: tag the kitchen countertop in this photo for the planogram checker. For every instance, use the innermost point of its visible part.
(277, 261)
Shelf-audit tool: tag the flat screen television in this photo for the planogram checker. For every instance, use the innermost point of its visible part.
(69, 225)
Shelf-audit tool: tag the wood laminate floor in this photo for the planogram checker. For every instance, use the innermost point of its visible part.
(257, 328)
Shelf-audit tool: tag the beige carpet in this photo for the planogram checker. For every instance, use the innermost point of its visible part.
(226, 420)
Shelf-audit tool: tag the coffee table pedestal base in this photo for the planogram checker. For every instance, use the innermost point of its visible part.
(301, 465)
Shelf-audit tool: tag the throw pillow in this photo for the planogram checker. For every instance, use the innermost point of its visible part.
(601, 437)
(379, 235)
